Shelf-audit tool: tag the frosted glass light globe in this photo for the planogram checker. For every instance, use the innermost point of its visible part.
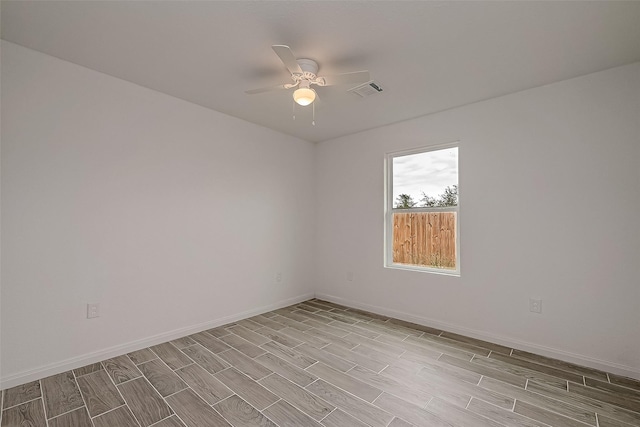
(304, 96)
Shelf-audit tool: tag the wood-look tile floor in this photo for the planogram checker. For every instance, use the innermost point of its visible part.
(321, 364)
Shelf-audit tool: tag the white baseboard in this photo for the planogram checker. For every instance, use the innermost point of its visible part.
(97, 356)
(590, 362)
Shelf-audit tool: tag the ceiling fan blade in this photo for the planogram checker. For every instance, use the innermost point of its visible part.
(269, 89)
(288, 58)
(344, 78)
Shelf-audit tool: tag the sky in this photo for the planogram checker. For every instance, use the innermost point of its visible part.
(430, 172)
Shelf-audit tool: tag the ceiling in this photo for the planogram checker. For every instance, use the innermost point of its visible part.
(427, 56)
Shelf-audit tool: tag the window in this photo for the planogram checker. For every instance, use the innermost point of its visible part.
(422, 210)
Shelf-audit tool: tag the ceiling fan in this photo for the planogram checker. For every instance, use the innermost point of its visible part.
(304, 74)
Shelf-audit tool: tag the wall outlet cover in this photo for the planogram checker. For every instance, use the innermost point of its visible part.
(93, 311)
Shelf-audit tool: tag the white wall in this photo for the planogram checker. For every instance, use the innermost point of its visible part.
(168, 214)
(550, 201)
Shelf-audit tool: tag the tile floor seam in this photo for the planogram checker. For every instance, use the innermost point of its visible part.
(129, 380)
(299, 409)
(158, 422)
(220, 413)
(65, 413)
(106, 412)
(165, 400)
(335, 408)
(86, 408)
(181, 367)
(269, 406)
(46, 420)
(552, 411)
(21, 403)
(120, 394)
(198, 394)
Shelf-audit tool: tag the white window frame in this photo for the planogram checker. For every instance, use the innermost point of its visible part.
(390, 210)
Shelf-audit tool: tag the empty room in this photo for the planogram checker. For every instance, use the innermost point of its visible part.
(319, 213)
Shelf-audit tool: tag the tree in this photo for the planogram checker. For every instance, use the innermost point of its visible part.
(405, 201)
(427, 201)
(449, 197)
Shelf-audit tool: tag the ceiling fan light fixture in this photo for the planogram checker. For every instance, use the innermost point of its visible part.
(304, 96)
(304, 74)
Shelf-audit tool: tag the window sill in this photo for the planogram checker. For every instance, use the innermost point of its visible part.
(443, 272)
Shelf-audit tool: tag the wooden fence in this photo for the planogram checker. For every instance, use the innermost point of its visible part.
(425, 238)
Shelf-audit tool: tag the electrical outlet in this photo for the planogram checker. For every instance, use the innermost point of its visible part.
(350, 276)
(535, 305)
(278, 277)
(93, 310)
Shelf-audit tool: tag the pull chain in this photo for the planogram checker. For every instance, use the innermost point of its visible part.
(313, 112)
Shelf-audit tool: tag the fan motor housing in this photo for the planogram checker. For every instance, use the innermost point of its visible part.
(309, 68)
